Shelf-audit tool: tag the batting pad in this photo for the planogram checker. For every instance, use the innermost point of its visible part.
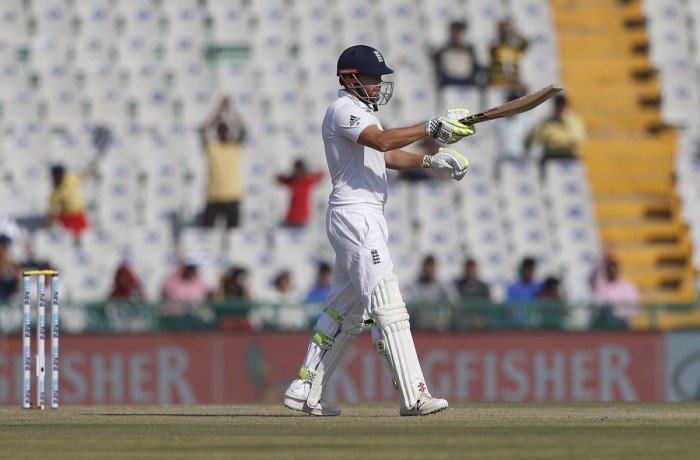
(404, 361)
(329, 342)
(329, 361)
(392, 319)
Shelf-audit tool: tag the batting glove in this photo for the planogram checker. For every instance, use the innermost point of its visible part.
(447, 129)
(447, 159)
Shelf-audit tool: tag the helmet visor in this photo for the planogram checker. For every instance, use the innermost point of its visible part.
(384, 92)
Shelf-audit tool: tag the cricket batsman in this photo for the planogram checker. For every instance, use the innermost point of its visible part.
(365, 289)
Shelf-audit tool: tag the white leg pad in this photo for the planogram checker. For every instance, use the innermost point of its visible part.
(327, 365)
(392, 320)
(330, 340)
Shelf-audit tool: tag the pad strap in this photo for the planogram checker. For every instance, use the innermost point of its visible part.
(307, 375)
(322, 339)
(333, 314)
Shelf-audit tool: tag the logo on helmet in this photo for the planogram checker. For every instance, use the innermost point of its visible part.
(379, 56)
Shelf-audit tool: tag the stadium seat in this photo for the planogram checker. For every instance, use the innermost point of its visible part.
(680, 100)
(668, 35)
(24, 108)
(484, 16)
(438, 15)
(145, 79)
(94, 49)
(13, 79)
(194, 86)
(108, 104)
(53, 18)
(359, 22)
(47, 52)
(13, 22)
(437, 217)
(524, 212)
(231, 22)
(97, 19)
(137, 51)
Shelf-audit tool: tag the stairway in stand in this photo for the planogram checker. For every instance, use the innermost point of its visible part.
(629, 153)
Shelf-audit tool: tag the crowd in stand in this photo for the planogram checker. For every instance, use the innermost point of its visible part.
(456, 63)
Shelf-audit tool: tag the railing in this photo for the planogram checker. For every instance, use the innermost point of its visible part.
(236, 315)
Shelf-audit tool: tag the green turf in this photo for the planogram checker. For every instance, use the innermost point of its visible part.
(492, 431)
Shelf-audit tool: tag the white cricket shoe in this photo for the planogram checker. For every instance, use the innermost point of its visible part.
(322, 408)
(425, 405)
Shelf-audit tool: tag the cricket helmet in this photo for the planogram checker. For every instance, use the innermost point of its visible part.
(364, 60)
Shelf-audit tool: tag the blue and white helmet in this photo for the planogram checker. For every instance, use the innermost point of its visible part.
(365, 60)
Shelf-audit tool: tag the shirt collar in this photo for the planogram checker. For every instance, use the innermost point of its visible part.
(354, 99)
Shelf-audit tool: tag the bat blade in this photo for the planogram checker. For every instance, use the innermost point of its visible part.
(520, 105)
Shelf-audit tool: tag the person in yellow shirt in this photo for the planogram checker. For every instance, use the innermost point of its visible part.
(221, 137)
(560, 135)
(66, 203)
(506, 53)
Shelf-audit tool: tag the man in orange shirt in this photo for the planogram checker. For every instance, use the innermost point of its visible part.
(300, 183)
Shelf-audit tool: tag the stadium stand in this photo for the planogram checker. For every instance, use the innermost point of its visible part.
(628, 110)
(153, 70)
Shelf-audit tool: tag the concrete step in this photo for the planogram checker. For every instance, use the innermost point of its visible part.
(654, 185)
(669, 278)
(660, 296)
(629, 167)
(605, 44)
(646, 145)
(633, 207)
(645, 257)
(641, 230)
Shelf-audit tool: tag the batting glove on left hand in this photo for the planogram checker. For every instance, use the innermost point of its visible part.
(447, 129)
(447, 159)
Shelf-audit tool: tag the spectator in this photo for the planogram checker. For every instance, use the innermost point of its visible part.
(560, 135)
(526, 288)
(126, 285)
(550, 289)
(185, 284)
(10, 271)
(322, 287)
(300, 183)
(234, 285)
(283, 291)
(512, 135)
(611, 290)
(551, 307)
(469, 286)
(184, 295)
(281, 309)
(221, 137)
(456, 62)
(505, 56)
(428, 289)
(66, 203)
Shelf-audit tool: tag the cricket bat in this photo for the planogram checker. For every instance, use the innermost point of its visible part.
(520, 105)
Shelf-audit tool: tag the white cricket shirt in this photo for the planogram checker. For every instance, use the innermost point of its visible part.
(358, 172)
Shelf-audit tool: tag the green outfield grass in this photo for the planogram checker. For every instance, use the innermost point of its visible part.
(492, 431)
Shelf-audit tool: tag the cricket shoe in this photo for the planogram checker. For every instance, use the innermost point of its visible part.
(425, 405)
(322, 408)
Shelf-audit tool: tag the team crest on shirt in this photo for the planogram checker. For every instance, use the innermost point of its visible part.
(354, 120)
(375, 257)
